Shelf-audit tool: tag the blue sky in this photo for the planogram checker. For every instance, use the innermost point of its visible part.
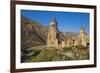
(67, 21)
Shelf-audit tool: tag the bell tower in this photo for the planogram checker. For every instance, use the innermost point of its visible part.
(83, 36)
(52, 40)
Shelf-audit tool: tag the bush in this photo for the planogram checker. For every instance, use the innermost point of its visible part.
(45, 55)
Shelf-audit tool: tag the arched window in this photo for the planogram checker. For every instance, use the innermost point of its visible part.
(49, 37)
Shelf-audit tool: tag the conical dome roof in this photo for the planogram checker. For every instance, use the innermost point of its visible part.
(53, 21)
(82, 28)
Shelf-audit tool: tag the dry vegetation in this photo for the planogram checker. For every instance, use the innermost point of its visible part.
(52, 54)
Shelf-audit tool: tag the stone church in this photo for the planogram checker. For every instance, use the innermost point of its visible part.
(56, 39)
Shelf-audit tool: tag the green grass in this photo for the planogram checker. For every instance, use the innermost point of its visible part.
(52, 54)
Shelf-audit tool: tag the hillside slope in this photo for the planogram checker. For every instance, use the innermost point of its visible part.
(32, 33)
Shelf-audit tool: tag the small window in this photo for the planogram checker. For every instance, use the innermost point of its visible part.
(49, 37)
(52, 43)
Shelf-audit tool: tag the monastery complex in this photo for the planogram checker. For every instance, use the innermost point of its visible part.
(56, 39)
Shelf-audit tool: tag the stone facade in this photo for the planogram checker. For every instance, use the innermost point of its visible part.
(56, 40)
